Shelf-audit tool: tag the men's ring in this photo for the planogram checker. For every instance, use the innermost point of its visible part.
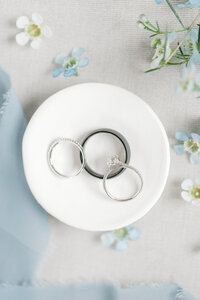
(50, 160)
(123, 142)
(114, 164)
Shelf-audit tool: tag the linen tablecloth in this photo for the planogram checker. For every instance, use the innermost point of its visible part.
(168, 250)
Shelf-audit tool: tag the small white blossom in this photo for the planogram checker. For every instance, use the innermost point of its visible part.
(33, 30)
(162, 47)
(191, 191)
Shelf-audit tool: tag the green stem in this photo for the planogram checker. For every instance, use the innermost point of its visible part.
(182, 41)
(163, 32)
(149, 23)
(175, 13)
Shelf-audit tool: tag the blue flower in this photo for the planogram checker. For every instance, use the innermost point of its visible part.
(189, 144)
(190, 46)
(190, 4)
(189, 80)
(69, 64)
(119, 238)
(159, 1)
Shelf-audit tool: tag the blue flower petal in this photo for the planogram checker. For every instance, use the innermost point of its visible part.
(181, 136)
(77, 52)
(70, 72)
(60, 58)
(121, 245)
(134, 234)
(195, 137)
(190, 4)
(57, 72)
(195, 158)
(107, 239)
(130, 226)
(179, 149)
(159, 1)
(194, 34)
(83, 62)
(195, 58)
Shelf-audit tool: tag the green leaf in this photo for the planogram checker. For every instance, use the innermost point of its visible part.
(198, 42)
(180, 49)
(152, 35)
(175, 13)
(152, 70)
(158, 26)
(173, 64)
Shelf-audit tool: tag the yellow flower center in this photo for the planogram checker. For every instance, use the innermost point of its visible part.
(191, 146)
(33, 30)
(121, 233)
(195, 192)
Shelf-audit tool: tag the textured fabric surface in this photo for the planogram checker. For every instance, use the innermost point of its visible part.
(92, 292)
(169, 247)
(24, 228)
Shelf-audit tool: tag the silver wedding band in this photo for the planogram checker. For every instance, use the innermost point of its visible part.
(51, 149)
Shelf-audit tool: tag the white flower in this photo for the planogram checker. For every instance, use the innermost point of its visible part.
(191, 191)
(162, 47)
(34, 30)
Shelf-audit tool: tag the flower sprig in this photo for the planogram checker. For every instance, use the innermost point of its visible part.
(145, 23)
(119, 238)
(186, 52)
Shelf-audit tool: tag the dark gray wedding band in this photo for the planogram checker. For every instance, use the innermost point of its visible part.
(124, 143)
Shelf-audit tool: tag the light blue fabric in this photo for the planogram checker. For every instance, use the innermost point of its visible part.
(92, 292)
(24, 229)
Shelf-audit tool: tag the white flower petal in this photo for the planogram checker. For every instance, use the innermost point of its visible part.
(187, 184)
(35, 44)
(22, 22)
(196, 202)
(22, 38)
(168, 52)
(185, 195)
(37, 19)
(155, 63)
(197, 181)
(47, 32)
(172, 36)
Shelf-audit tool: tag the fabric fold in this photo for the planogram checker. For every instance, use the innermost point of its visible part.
(24, 228)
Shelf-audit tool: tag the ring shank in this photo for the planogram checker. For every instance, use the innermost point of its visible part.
(50, 151)
(124, 166)
(125, 144)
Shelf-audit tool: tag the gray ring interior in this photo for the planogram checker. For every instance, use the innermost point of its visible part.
(122, 140)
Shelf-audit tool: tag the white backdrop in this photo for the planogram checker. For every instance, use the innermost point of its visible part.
(119, 52)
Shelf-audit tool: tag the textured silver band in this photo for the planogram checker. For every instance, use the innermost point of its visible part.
(50, 151)
(113, 164)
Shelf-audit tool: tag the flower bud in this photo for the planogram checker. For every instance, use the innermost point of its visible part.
(140, 25)
(143, 18)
